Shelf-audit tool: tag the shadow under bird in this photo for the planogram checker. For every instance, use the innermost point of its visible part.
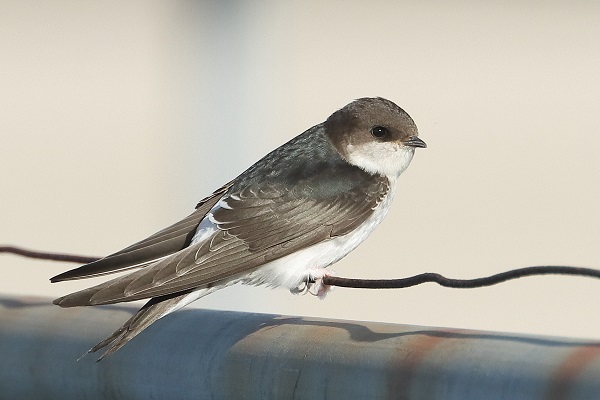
(282, 222)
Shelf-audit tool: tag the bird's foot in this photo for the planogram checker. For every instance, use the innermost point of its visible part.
(315, 285)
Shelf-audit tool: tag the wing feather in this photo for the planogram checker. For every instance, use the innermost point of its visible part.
(163, 243)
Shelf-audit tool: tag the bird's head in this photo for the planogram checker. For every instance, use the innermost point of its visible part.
(374, 134)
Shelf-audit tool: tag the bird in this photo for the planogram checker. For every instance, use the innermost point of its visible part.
(280, 223)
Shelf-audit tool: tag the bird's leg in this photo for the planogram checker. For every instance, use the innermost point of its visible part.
(315, 282)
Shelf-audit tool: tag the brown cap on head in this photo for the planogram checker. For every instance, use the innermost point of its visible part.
(368, 119)
(373, 131)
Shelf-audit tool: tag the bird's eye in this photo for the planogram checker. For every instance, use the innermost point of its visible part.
(379, 132)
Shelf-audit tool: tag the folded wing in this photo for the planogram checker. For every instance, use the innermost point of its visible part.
(256, 224)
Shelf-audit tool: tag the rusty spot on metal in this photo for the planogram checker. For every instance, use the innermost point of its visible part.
(406, 361)
(567, 372)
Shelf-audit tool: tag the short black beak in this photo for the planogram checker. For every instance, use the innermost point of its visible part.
(414, 141)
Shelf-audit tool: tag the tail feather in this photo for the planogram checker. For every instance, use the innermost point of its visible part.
(152, 311)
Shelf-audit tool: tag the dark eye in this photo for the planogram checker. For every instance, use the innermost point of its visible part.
(379, 132)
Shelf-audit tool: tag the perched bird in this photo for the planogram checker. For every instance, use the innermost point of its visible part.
(282, 222)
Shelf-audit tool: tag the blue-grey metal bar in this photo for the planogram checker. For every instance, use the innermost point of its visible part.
(201, 354)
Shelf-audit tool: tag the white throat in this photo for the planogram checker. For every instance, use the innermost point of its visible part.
(388, 159)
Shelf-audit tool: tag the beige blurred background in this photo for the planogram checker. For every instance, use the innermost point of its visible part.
(117, 117)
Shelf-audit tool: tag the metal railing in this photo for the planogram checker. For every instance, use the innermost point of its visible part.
(202, 354)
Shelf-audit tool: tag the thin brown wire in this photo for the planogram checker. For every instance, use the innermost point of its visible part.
(373, 283)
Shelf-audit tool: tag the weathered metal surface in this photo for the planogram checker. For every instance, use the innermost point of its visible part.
(201, 354)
